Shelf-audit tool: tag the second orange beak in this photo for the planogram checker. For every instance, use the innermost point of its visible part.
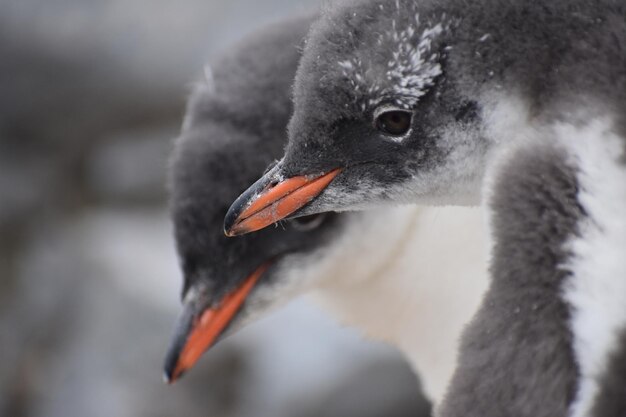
(208, 327)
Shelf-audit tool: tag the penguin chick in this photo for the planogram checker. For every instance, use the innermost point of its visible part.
(405, 101)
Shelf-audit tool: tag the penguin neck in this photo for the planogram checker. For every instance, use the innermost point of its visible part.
(416, 293)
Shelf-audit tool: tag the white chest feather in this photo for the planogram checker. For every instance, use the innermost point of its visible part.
(421, 293)
(596, 289)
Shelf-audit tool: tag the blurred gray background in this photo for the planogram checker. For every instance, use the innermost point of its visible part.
(91, 94)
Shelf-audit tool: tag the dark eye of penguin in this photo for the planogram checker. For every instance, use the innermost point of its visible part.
(308, 223)
(394, 122)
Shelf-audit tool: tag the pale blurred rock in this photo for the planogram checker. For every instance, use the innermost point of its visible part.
(130, 167)
(380, 388)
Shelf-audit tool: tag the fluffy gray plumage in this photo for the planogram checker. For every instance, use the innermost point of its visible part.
(516, 357)
(235, 126)
(521, 355)
(451, 63)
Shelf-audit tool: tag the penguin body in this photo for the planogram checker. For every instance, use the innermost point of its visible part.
(546, 339)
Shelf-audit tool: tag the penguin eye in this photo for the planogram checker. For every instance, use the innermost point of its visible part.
(394, 122)
(308, 223)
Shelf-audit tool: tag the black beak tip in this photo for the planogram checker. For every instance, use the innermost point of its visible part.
(240, 204)
(231, 217)
(181, 331)
(169, 378)
(169, 367)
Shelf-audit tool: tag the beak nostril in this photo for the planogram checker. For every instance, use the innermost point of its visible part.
(270, 185)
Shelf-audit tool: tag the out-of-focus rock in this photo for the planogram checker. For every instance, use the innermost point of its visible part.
(381, 388)
(130, 167)
(76, 73)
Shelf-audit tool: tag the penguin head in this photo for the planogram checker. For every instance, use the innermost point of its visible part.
(377, 119)
(234, 128)
(229, 282)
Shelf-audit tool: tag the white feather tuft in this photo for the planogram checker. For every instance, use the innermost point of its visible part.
(597, 288)
(410, 71)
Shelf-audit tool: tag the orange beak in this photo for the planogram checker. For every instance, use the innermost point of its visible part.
(274, 202)
(197, 332)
